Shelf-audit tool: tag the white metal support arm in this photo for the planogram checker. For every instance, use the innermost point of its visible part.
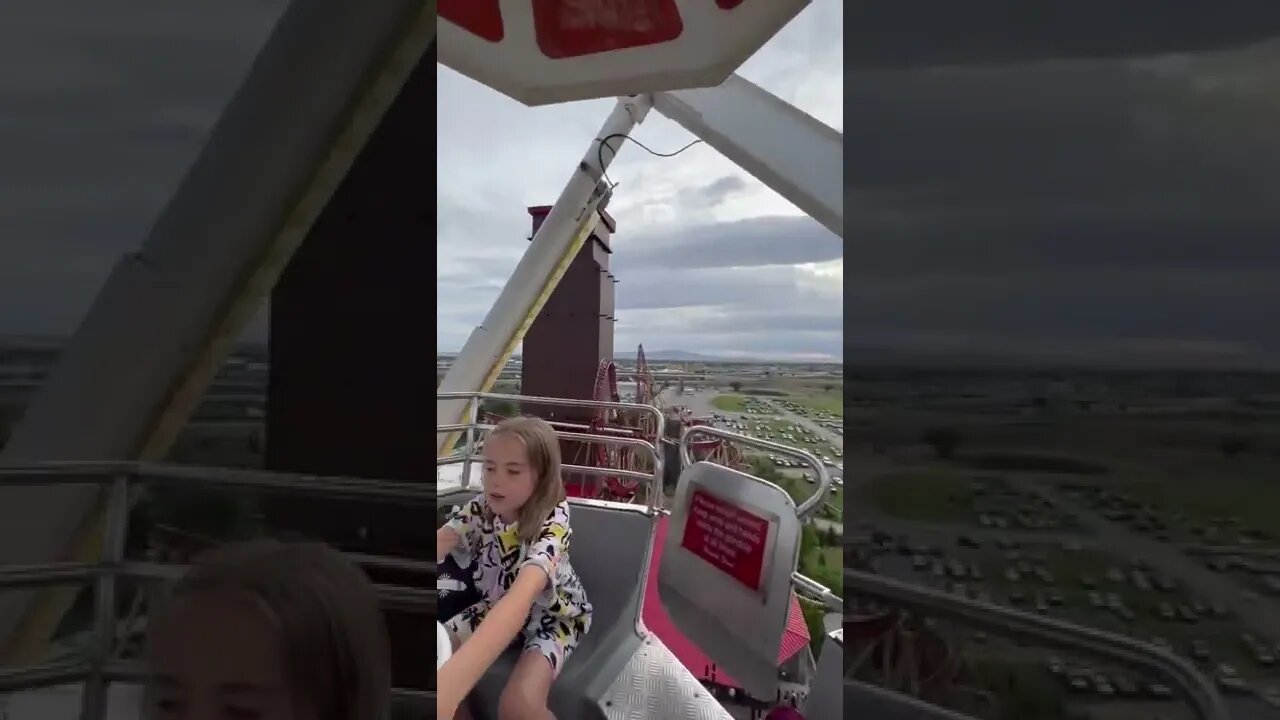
(790, 151)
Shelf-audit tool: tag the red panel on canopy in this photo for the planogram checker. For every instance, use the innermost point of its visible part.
(656, 619)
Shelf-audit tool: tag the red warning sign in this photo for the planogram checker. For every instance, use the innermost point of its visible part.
(482, 18)
(727, 536)
(573, 28)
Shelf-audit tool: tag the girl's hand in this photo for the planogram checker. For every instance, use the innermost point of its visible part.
(446, 540)
(499, 627)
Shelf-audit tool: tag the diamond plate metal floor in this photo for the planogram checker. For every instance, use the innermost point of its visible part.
(655, 685)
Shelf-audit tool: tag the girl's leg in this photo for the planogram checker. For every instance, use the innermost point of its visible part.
(525, 696)
(463, 712)
(460, 627)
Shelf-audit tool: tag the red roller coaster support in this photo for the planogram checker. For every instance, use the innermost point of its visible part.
(614, 423)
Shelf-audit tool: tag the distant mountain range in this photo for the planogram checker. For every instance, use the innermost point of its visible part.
(674, 356)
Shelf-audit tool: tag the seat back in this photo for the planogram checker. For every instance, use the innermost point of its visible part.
(725, 578)
(610, 552)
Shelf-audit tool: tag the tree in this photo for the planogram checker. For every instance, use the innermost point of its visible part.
(737, 386)
(833, 540)
(943, 440)
(813, 621)
(809, 541)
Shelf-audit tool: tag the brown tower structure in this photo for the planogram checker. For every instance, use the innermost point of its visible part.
(574, 330)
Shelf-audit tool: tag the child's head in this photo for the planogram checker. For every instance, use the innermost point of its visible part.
(270, 631)
(522, 472)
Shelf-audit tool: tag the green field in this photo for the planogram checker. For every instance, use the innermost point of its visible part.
(831, 402)
(1255, 501)
(836, 500)
(729, 403)
(821, 560)
(927, 495)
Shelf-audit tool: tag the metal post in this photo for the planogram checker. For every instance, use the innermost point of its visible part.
(94, 701)
(469, 450)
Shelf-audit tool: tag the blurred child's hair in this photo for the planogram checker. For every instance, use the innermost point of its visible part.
(335, 647)
(542, 450)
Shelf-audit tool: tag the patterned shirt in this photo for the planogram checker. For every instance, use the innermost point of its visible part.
(499, 555)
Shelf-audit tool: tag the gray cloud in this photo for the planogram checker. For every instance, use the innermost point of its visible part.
(714, 194)
(915, 33)
(741, 243)
(106, 106)
(1089, 203)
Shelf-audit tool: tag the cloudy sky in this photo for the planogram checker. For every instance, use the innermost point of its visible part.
(1078, 184)
(1021, 182)
(104, 107)
(708, 259)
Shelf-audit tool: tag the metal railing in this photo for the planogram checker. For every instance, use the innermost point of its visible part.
(804, 586)
(100, 668)
(473, 429)
(804, 509)
(1180, 673)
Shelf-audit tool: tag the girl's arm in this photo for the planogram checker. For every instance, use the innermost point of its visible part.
(446, 540)
(500, 626)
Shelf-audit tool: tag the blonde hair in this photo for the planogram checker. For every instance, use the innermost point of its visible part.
(335, 645)
(542, 451)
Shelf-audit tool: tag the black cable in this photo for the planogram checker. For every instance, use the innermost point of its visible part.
(604, 143)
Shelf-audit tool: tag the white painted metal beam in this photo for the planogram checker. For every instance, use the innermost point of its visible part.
(782, 146)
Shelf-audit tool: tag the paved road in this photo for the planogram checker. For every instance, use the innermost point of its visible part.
(1262, 617)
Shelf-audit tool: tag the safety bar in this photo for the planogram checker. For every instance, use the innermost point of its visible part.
(468, 454)
(812, 589)
(578, 427)
(565, 468)
(1180, 673)
(806, 508)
